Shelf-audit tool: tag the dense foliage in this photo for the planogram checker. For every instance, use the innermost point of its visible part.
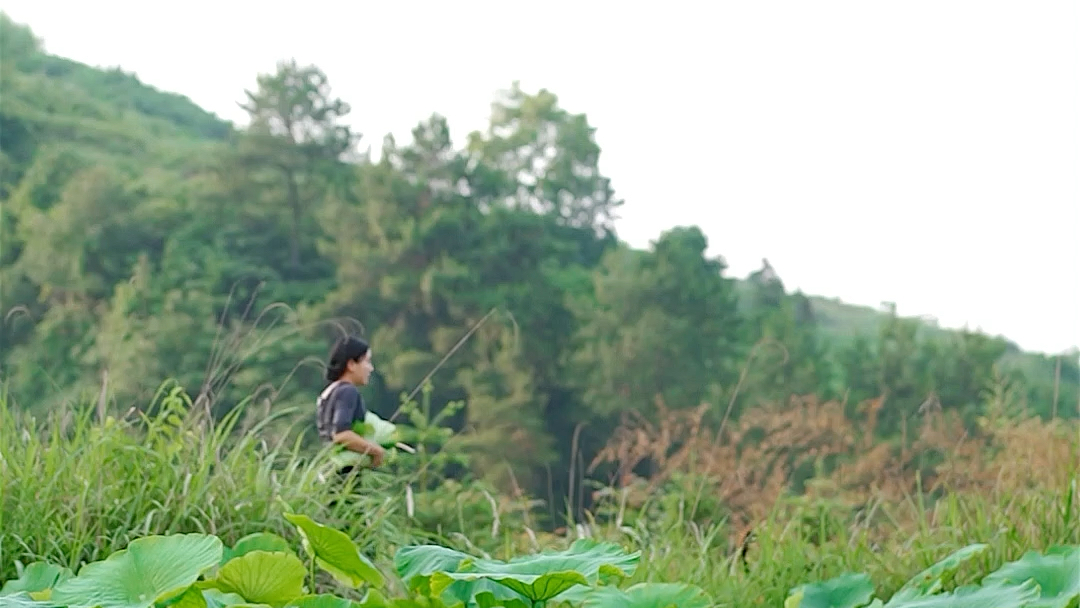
(143, 238)
(263, 569)
(77, 489)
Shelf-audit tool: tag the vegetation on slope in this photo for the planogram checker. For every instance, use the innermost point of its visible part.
(142, 238)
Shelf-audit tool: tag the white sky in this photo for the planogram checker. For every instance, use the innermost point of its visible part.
(925, 152)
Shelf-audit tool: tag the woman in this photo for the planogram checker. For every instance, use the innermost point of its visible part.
(340, 405)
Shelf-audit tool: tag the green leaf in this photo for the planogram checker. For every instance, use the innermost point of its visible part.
(375, 599)
(934, 578)
(259, 541)
(418, 562)
(488, 600)
(609, 573)
(151, 569)
(263, 577)
(1057, 572)
(971, 596)
(336, 553)
(517, 578)
(321, 601)
(537, 588)
(585, 556)
(377, 430)
(215, 598)
(22, 599)
(844, 591)
(192, 598)
(35, 578)
(648, 595)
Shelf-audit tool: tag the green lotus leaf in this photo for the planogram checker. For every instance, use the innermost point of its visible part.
(151, 569)
(585, 556)
(191, 598)
(533, 587)
(374, 428)
(844, 591)
(1057, 572)
(375, 599)
(321, 601)
(259, 541)
(336, 553)
(933, 579)
(488, 600)
(22, 599)
(263, 577)
(971, 596)
(36, 578)
(648, 595)
(417, 563)
(590, 559)
(216, 598)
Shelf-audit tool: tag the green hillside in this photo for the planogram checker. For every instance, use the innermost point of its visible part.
(143, 238)
(844, 322)
(41, 86)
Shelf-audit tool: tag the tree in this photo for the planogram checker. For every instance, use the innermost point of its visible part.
(18, 44)
(295, 133)
(535, 155)
(660, 324)
(789, 357)
(505, 426)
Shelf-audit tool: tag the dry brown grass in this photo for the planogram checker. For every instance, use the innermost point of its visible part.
(758, 458)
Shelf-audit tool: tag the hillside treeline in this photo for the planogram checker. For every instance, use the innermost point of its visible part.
(144, 239)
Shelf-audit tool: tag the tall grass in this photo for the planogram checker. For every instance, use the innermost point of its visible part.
(803, 540)
(720, 509)
(75, 487)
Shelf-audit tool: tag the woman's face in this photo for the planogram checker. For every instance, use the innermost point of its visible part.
(361, 370)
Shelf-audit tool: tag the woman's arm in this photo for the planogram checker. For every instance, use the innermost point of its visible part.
(352, 441)
(346, 407)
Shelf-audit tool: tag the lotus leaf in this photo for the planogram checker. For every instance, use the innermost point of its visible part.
(336, 553)
(1057, 573)
(151, 569)
(376, 429)
(488, 600)
(971, 596)
(22, 599)
(321, 601)
(534, 587)
(263, 577)
(37, 579)
(192, 598)
(419, 562)
(463, 578)
(585, 556)
(215, 598)
(933, 579)
(259, 541)
(375, 599)
(648, 595)
(845, 591)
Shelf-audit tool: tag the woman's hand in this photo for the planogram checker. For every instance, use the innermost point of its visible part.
(356, 443)
(377, 454)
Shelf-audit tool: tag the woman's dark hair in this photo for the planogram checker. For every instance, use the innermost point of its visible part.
(347, 348)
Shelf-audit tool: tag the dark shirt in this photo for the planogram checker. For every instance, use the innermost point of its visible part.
(338, 410)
